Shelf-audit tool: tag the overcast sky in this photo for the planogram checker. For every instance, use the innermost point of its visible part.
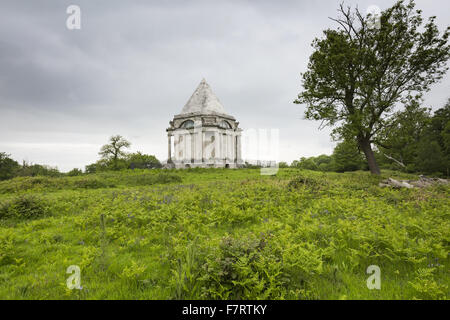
(134, 64)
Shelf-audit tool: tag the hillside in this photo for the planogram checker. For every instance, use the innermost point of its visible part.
(222, 234)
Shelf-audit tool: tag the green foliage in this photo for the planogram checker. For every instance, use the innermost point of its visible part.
(429, 157)
(220, 233)
(400, 137)
(243, 268)
(142, 161)
(7, 253)
(126, 161)
(92, 181)
(347, 157)
(419, 140)
(8, 167)
(133, 272)
(113, 151)
(302, 181)
(34, 170)
(248, 165)
(426, 285)
(283, 165)
(23, 207)
(185, 280)
(74, 172)
(149, 179)
(319, 163)
(357, 73)
(306, 163)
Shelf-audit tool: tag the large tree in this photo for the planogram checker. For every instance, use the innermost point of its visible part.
(359, 72)
(113, 151)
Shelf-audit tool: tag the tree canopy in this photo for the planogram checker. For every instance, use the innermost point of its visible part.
(8, 166)
(359, 73)
(114, 149)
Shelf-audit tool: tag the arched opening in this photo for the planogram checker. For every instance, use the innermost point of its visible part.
(188, 124)
(227, 166)
(225, 124)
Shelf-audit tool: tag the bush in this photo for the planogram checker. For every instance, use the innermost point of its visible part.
(38, 170)
(283, 165)
(103, 165)
(91, 183)
(167, 178)
(20, 184)
(23, 207)
(4, 210)
(426, 287)
(6, 247)
(248, 165)
(75, 172)
(149, 179)
(243, 269)
(142, 161)
(305, 181)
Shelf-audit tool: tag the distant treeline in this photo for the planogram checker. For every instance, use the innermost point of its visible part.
(10, 168)
(136, 160)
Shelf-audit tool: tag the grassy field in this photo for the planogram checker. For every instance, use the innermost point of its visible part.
(222, 234)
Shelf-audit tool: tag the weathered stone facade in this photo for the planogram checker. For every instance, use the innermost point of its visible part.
(203, 135)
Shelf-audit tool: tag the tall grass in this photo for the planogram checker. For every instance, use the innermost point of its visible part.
(222, 234)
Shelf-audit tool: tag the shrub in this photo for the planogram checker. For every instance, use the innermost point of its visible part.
(283, 165)
(23, 207)
(75, 172)
(426, 287)
(6, 247)
(149, 179)
(4, 209)
(142, 161)
(243, 269)
(305, 181)
(38, 170)
(91, 183)
(167, 178)
(20, 184)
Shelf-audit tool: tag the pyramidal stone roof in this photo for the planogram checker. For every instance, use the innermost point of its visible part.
(204, 101)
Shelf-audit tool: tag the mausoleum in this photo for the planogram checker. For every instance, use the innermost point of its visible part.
(203, 134)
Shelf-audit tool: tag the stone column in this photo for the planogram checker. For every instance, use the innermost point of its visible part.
(169, 148)
(225, 147)
(192, 136)
(203, 146)
(238, 148)
(216, 146)
(235, 148)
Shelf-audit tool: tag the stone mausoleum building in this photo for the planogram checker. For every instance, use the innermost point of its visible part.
(203, 135)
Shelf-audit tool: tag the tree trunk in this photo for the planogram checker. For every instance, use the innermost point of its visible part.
(370, 156)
